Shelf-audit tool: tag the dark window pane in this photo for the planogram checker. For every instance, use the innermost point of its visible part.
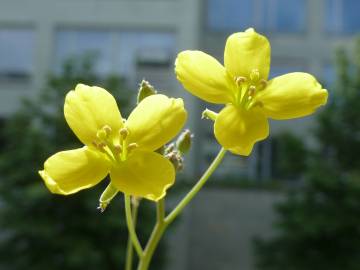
(74, 43)
(16, 53)
(342, 16)
(331, 16)
(266, 15)
(143, 47)
(351, 12)
(290, 15)
(230, 15)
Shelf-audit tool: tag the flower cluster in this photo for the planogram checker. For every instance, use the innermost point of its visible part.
(125, 148)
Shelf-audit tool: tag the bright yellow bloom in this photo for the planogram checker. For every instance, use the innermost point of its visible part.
(123, 148)
(242, 84)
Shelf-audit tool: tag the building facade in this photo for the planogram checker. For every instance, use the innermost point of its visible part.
(140, 38)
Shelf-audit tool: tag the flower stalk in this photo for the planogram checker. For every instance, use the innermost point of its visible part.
(163, 222)
(129, 247)
(130, 224)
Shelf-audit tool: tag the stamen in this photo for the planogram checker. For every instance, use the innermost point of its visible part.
(117, 149)
(262, 84)
(107, 130)
(99, 146)
(124, 132)
(102, 145)
(132, 146)
(239, 80)
(101, 134)
(252, 90)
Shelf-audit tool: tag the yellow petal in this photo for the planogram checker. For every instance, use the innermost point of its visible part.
(203, 76)
(70, 171)
(155, 121)
(144, 174)
(237, 129)
(292, 95)
(88, 109)
(246, 51)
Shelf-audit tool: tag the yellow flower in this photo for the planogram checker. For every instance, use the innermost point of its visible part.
(242, 84)
(123, 148)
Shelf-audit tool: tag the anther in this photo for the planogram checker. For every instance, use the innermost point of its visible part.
(94, 143)
(107, 129)
(263, 83)
(252, 90)
(239, 80)
(132, 146)
(101, 145)
(124, 133)
(101, 134)
(117, 148)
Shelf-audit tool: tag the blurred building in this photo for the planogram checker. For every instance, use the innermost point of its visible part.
(140, 38)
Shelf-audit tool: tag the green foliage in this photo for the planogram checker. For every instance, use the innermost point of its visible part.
(318, 224)
(339, 131)
(291, 156)
(317, 227)
(40, 230)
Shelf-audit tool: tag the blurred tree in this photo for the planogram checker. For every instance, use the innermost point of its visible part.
(286, 161)
(40, 230)
(318, 225)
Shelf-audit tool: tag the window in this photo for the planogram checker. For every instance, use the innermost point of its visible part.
(342, 16)
(283, 15)
(140, 50)
(116, 52)
(76, 43)
(265, 15)
(16, 54)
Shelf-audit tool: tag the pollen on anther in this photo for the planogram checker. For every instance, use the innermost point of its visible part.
(118, 148)
(239, 80)
(124, 132)
(263, 83)
(252, 90)
(132, 146)
(101, 134)
(94, 143)
(101, 145)
(107, 129)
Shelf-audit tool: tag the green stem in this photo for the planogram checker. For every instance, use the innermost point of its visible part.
(155, 236)
(160, 210)
(131, 228)
(162, 222)
(129, 247)
(185, 201)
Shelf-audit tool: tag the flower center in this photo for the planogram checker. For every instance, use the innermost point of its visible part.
(115, 146)
(247, 88)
